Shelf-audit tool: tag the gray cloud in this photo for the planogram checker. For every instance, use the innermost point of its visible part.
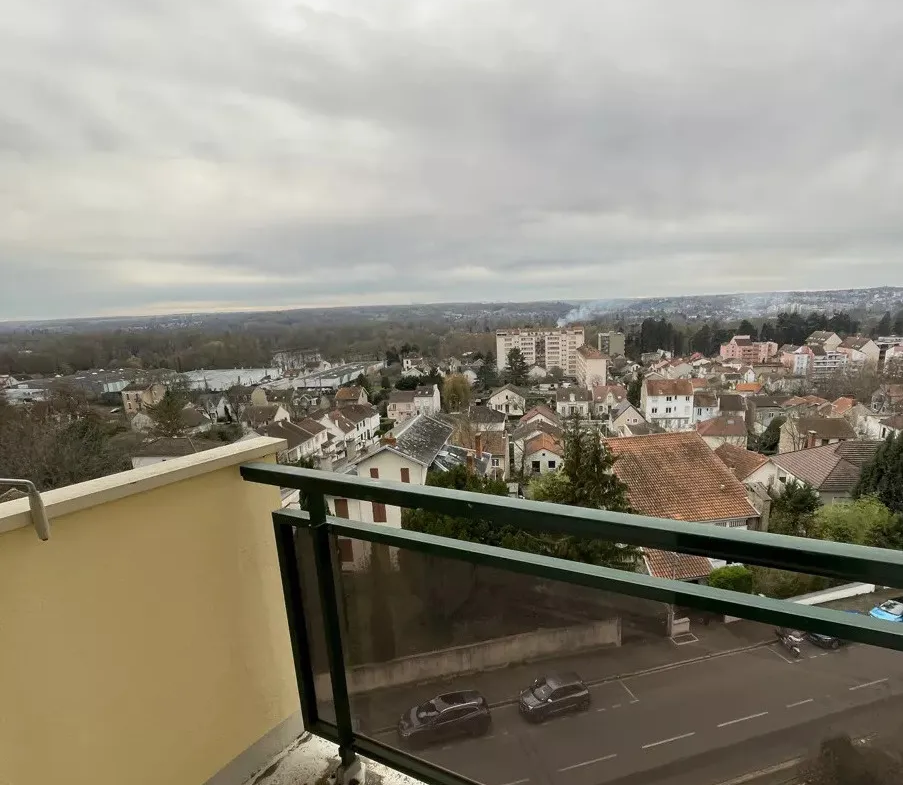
(165, 155)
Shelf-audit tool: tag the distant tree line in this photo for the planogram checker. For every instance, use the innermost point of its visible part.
(250, 341)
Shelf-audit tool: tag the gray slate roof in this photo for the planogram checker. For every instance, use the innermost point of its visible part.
(422, 437)
(483, 414)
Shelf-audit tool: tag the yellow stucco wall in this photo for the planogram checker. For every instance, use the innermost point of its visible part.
(146, 641)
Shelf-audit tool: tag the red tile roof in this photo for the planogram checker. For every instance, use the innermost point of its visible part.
(601, 391)
(833, 467)
(348, 394)
(752, 387)
(542, 410)
(676, 475)
(675, 566)
(722, 426)
(668, 387)
(744, 461)
(543, 442)
(843, 404)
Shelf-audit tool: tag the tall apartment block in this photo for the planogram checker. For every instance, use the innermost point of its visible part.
(613, 344)
(547, 347)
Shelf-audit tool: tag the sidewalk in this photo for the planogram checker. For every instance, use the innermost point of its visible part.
(378, 711)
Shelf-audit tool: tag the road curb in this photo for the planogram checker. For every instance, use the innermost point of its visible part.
(767, 772)
(632, 674)
(671, 665)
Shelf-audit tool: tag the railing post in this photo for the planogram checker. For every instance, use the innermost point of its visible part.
(323, 557)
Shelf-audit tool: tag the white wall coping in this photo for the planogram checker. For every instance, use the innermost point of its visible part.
(84, 495)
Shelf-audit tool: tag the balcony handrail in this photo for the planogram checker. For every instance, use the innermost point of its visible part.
(850, 562)
(796, 554)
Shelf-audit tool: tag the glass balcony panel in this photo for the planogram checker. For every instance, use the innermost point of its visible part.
(594, 686)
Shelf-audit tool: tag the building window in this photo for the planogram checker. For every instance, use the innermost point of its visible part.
(551, 464)
(668, 398)
(655, 409)
(496, 462)
(341, 508)
(405, 474)
(535, 465)
(346, 550)
(667, 410)
(379, 512)
(374, 474)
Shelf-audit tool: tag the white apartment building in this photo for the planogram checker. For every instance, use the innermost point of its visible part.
(826, 362)
(668, 403)
(547, 347)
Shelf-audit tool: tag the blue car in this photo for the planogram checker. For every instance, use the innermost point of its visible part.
(892, 610)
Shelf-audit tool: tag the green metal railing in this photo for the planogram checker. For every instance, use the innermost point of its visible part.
(814, 557)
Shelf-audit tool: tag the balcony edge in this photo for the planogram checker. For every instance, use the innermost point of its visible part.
(84, 495)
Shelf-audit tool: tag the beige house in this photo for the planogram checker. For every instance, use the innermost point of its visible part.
(137, 397)
(860, 350)
(543, 454)
(592, 367)
(508, 399)
(401, 405)
(749, 467)
(826, 339)
(571, 401)
(800, 433)
(724, 429)
(607, 398)
(624, 415)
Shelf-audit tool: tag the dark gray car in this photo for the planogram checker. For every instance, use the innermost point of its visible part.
(554, 694)
(445, 717)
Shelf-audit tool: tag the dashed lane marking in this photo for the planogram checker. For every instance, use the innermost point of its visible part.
(868, 684)
(518, 782)
(800, 703)
(742, 719)
(588, 762)
(668, 741)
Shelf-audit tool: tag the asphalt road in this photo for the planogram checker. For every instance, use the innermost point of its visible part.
(698, 723)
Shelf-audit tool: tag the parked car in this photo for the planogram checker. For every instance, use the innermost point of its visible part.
(828, 641)
(825, 641)
(448, 716)
(892, 610)
(553, 694)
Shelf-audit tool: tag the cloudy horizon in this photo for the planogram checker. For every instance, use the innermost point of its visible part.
(162, 157)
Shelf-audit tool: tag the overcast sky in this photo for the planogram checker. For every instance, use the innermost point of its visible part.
(164, 155)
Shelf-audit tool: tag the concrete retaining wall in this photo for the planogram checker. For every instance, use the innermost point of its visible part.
(837, 593)
(496, 653)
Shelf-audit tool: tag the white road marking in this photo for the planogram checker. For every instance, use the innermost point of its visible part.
(587, 763)
(800, 703)
(824, 654)
(616, 706)
(668, 741)
(742, 719)
(812, 656)
(868, 684)
(517, 782)
(780, 656)
(602, 709)
(633, 698)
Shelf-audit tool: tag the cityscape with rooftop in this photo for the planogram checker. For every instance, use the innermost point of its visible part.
(451, 393)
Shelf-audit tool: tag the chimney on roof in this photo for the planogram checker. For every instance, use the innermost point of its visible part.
(478, 444)
(389, 440)
(723, 486)
(470, 463)
(810, 439)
